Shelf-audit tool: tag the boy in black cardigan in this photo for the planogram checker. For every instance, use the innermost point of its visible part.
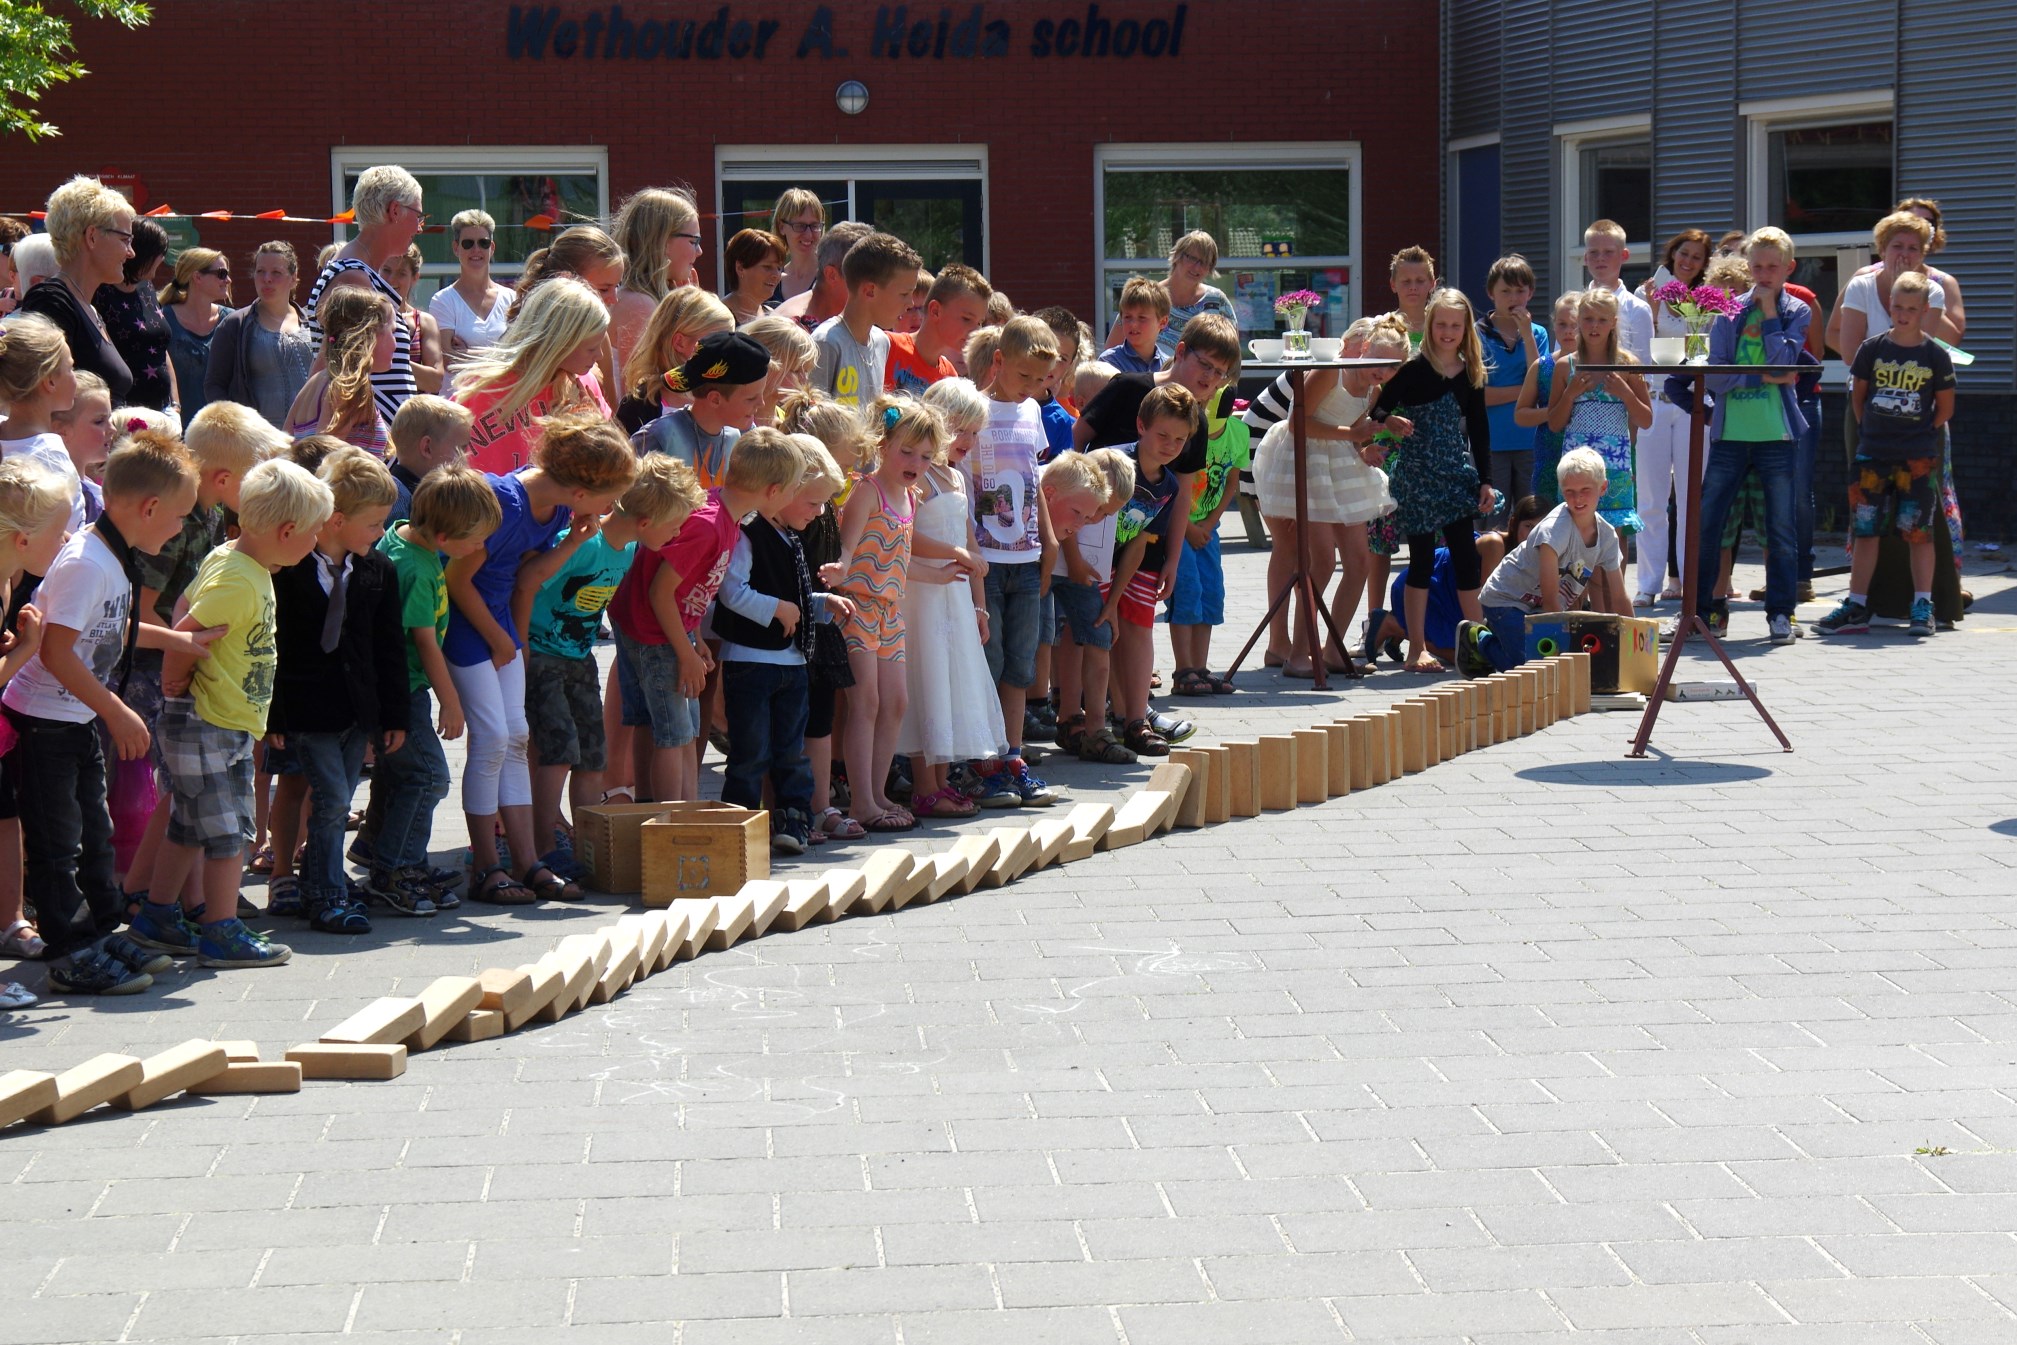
(341, 680)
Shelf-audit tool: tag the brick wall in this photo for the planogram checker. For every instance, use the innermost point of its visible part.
(235, 104)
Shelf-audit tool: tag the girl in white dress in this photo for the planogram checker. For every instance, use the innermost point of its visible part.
(953, 713)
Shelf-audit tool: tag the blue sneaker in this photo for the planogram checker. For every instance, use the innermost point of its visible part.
(228, 944)
(165, 929)
(1030, 791)
(144, 961)
(283, 898)
(561, 858)
(1922, 618)
(94, 972)
(998, 789)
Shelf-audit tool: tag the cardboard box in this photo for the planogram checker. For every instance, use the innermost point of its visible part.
(702, 850)
(1624, 651)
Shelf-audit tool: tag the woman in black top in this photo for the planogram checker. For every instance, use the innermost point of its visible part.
(1439, 477)
(91, 227)
(136, 324)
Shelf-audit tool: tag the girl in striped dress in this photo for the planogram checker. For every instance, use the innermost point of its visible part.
(875, 543)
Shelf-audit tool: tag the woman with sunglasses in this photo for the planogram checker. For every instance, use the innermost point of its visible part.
(135, 322)
(260, 354)
(473, 311)
(800, 220)
(659, 231)
(194, 302)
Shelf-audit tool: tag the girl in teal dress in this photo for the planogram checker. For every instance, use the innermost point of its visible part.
(1599, 411)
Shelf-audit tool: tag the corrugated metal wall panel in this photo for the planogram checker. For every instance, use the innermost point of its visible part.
(1604, 58)
(1526, 128)
(1694, 105)
(1957, 142)
(1792, 51)
(1472, 66)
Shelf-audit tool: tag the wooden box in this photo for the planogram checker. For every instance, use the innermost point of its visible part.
(605, 841)
(702, 850)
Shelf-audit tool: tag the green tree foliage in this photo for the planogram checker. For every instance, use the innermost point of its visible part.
(36, 52)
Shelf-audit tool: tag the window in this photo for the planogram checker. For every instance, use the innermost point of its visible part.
(1285, 217)
(512, 184)
(1607, 173)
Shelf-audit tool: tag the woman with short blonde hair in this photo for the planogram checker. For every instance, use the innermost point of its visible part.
(471, 313)
(386, 205)
(91, 228)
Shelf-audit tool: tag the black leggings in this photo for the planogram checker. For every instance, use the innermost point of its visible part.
(1465, 567)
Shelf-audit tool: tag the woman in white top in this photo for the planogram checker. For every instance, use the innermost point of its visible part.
(471, 312)
(1901, 240)
(1663, 448)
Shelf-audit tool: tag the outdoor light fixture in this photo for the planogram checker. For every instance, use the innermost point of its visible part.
(852, 97)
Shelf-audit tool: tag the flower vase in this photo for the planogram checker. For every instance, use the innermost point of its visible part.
(1697, 339)
(1295, 340)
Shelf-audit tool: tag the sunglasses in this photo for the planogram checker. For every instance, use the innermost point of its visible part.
(691, 238)
(479, 244)
(221, 272)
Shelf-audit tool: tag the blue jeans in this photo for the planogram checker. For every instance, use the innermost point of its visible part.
(1013, 611)
(766, 707)
(409, 784)
(1729, 460)
(1505, 642)
(1809, 443)
(333, 763)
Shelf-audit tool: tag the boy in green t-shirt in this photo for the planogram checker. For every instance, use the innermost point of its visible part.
(454, 511)
(214, 711)
(1198, 600)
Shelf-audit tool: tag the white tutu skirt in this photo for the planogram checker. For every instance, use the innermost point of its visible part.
(1342, 488)
(954, 712)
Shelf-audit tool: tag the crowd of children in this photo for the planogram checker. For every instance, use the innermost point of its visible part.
(875, 546)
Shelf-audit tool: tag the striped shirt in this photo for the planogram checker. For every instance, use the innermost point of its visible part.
(396, 384)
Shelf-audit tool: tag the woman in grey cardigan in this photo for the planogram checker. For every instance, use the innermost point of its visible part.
(260, 354)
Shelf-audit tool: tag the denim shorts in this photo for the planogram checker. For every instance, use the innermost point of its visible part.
(1013, 610)
(1047, 616)
(1078, 612)
(647, 681)
(1199, 596)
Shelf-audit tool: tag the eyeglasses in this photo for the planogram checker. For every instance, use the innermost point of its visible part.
(221, 272)
(479, 244)
(805, 226)
(691, 238)
(1195, 260)
(123, 235)
(413, 210)
(1210, 370)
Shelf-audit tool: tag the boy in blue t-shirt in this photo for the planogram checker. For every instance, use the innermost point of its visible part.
(1144, 308)
(558, 602)
(1145, 558)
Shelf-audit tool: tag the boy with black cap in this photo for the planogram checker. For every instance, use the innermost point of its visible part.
(725, 379)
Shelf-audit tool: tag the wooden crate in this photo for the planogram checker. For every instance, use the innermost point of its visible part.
(605, 840)
(702, 850)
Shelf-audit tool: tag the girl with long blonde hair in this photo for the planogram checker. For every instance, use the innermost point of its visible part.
(1600, 411)
(658, 229)
(682, 318)
(544, 364)
(358, 340)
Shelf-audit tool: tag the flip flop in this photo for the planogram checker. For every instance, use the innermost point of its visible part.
(890, 821)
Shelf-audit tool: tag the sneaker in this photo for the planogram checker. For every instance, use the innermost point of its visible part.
(561, 859)
(1848, 618)
(1471, 658)
(1780, 629)
(1030, 791)
(1645, 600)
(792, 834)
(133, 957)
(998, 789)
(14, 995)
(1718, 617)
(228, 944)
(339, 915)
(1173, 729)
(1033, 726)
(283, 898)
(1922, 619)
(361, 852)
(964, 778)
(94, 972)
(165, 929)
(401, 890)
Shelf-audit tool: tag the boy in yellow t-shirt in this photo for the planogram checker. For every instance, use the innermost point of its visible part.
(215, 710)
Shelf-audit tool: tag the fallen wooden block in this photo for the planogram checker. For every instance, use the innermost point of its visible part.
(1243, 777)
(701, 919)
(943, 873)
(1414, 736)
(505, 990)
(738, 913)
(1136, 820)
(238, 1052)
(1089, 822)
(1277, 772)
(254, 1076)
(844, 890)
(805, 899)
(383, 1020)
(170, 1072)
(581, 958)
(1313, 766)
(678, 927)
(1218, 782)
(329, 1060)
(769, 901)
(23, 1092)
(918, 883)
(1015, 851)
(545, 979)
(626, 946)
(602, 947)
(1051, 836)
(883, 872)
(1194, 807)
(478, 1025)
(443, 1004)
(980, 853)
(653, 929)
(1175, 779)
(99, 1079)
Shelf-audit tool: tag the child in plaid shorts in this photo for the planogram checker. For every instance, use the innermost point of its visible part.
(214, 710)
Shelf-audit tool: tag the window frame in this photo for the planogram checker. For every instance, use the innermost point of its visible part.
(1571, 139)
(473, 160)
(1328, 155)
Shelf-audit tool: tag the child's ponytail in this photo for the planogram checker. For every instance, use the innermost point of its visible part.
(893, 418)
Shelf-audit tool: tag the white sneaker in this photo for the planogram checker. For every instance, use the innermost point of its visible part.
(1781, 629)
(1645, 600)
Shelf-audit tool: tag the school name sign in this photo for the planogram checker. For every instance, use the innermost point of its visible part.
(896, 32)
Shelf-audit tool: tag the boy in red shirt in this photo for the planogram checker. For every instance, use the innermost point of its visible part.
(957, 306)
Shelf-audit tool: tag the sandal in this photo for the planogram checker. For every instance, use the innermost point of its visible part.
(620, 794)
(1071, 735)
(23, 940)
(1143, 740)
(1155, 681)
(1193, 682)
(836, 825)
(1221, 686)
(262, 860)
(340, 915)
(553, 887)
(509, 892)
(945, 803)
(893, 820)
(1103, 749)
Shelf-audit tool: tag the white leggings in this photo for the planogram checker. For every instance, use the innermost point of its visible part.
(494, 773)
(1662, 465)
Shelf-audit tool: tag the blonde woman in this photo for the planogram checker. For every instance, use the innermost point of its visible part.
(471, 312)
(91, 227)
(544, 364)
(194, 301)
(677, 325)
(659, 232)
(358, 329)
(799, 218)
(386, 207)
(429, 365)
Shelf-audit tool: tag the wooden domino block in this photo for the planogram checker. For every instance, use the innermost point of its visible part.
(980, 853)
(844, 890)
(99, 1079)
(601, 947)
(383, 1020)
(171, 1072)
(1579, 683)
(805, 899)
(770, 901)
(1243, 775)
(23, 1092)
(1433, 737)
(701, 919)
(1509, 705)
(1448, 741)
(1530, 685)
(506, 990)
(478, 1025)
(883, 872)
(653, 929)
(677, 931)
(626, 947)
(1382, 740)
(1277, 758)
(943, 872)
(1015, 851)
(1194, 808)
(328, 1060)
(1051, 836)
(545, 980)
(1337, 757)
(240, 1052)
(1359, 737)
(926, 874)
(1313, 765)
(1175, 779)
(257, 1076)
(1414, 736)
(577, 979)
(737, 913)
(445, 1002)
(1136, 820)
(1218, 783)
(1089, 823)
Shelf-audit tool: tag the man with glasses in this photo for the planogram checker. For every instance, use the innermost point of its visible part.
(386, 206)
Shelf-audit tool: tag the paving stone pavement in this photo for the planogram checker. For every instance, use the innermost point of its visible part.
(1714, 1049)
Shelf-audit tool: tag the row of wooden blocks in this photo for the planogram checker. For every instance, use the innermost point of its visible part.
(1196, 786)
